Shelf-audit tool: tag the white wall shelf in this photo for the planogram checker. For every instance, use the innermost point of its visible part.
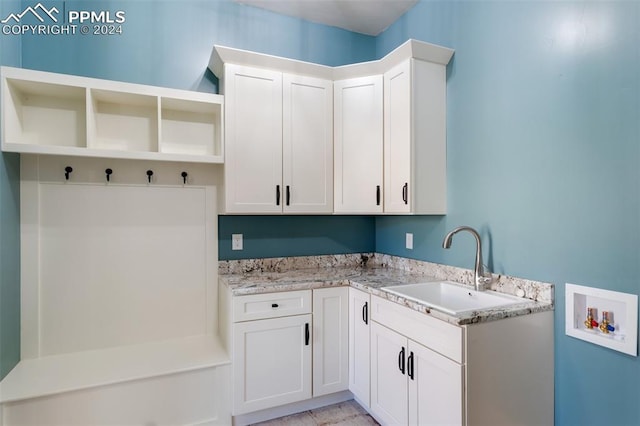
(47, 113)
(622, 309)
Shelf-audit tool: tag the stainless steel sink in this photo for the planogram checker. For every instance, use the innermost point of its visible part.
(453, 298)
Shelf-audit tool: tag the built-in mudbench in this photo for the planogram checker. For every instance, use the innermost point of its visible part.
(119, 295)
(119, 265)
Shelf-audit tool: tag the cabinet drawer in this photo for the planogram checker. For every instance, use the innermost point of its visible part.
(444, 338)
(271, 305)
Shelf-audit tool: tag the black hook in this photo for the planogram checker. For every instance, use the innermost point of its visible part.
(184, 177)
(149, 174)
(67, 172)
(108, 172)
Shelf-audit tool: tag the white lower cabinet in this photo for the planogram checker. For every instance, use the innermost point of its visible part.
(288, 347)
(389, 387)
(330, 340)
(272, 360)
(425, 371)
(435, 387)
(404, 367)
(411, 384)
(359, 353)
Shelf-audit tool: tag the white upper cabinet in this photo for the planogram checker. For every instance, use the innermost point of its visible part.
(358, 139)
(47, 113)
(397, 138)
(366, 138)
(307, 144)
(415, 153)
(280, 142)
(253, 176)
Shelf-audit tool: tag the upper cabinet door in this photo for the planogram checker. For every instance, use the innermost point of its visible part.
(415, 146)
(358, 139)
(307, 143)
(397, 139)
(253, 123)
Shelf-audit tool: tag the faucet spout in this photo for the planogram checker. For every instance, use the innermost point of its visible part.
(480, 275)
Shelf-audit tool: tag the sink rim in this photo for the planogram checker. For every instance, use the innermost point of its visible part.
(503, 300)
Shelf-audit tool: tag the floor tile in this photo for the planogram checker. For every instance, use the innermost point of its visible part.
(344, 413)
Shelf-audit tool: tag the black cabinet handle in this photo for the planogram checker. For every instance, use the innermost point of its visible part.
(365, 312)
(274, 305)
(410, 366)
(277, 195)
(401, 360)
(288, 192)
(405, 193)
(377, 195)
(306, 334)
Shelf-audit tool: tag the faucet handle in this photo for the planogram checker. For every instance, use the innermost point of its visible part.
(486, 276)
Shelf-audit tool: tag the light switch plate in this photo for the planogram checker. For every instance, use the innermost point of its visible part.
(236, 241)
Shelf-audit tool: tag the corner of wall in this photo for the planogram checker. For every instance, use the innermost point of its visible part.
(9, 262)
(10, 55)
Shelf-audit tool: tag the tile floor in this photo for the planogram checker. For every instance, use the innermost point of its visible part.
(344, 413)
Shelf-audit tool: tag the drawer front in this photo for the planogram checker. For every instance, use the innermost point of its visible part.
(271, 305)
(439, 336)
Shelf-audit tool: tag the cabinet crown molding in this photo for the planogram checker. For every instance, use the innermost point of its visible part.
(410, 49)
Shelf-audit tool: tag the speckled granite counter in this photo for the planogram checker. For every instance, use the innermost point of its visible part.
(370, 272)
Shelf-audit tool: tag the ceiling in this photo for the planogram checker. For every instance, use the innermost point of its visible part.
(369, 17)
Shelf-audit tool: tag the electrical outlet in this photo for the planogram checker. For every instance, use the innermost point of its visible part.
(409, 241)
(236, 241)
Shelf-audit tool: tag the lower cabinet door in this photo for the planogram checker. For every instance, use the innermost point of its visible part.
(389, 390)
(435, 388)
(271, 362)
(330, 340)
(359, 345)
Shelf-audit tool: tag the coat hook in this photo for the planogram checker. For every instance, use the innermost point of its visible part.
(108, 172)
(184, 177)
(67, 172)
(149, 174)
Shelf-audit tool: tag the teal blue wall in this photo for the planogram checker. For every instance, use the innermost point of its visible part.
(543, 155)
(543, 145)
(10, 48)
(169, 42)
(275, 236)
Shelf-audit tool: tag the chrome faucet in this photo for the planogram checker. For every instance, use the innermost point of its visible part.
(481, 275)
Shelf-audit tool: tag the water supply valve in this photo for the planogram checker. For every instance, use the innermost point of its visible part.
(605, 325)
(590, 322)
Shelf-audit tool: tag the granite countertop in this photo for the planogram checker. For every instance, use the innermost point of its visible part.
(289, 274)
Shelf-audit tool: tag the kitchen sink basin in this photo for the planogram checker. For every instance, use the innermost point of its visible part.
(453, 298)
